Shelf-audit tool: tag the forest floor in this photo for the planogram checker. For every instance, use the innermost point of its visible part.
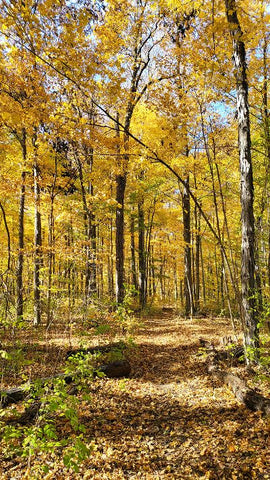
(169, 420)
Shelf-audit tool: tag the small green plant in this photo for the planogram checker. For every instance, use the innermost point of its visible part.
(57, 406)
(124, 313)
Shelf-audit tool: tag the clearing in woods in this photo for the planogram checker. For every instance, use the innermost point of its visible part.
(170, 420)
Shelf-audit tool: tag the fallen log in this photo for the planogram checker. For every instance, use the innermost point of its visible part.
(117, 369)
(13, 395)
(249, 397)
(17, 394)
(232, 355)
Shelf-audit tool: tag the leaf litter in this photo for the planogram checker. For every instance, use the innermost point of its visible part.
(170, 420)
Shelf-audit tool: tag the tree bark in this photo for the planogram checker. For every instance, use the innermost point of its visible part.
(91, 233)
(51, 243)
(247, 215)
(133, 256)
(187, 252)
(111, 263)
(142, 262)
(38, 241)
(197, 218)
(19, 273)
(8, 237)
(121, 181)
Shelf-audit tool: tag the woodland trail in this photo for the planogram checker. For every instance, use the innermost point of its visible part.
(170, 420)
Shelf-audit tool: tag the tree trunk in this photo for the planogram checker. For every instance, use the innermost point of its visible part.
(91, 233)
(50, 260)
(19, 273)
(197, 218)
(111, 263)
(38, 242)
(121, 181)
(132, 248)
(152, 269)
(247, 216)
(142, 263)
(51, 243)
(175, 278)
(203, 275)
(149, 261)
(187, 254)
(197, 259)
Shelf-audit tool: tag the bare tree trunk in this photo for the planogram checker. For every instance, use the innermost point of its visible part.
(5, 281)
(187, 254)
(247, 217)
(110, 263)
(121, 181)
(91, 233)
(258, 273)
(101, 270)
(197, 259)
(203, 275)
(181, 293)
(197, 218)
(38, 241)
(175, 278)
(142, 263)
(19, 273)
(51, 244)
(152, 270)
(132, 248)
(50, 261)
(8, 236)
(149, 262)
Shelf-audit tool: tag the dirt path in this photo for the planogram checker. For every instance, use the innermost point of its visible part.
(169, 420)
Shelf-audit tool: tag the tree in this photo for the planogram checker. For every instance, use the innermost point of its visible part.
(246, 180)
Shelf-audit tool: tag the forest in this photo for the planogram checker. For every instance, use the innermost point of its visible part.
(135, 239)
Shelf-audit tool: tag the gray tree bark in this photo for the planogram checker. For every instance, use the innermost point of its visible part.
(246, 194)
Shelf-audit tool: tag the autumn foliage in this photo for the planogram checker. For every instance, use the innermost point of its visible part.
(121, 128)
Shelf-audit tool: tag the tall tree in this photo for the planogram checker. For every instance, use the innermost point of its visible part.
(246, 180)
(188, 287)
(19, 274)
(37, 235)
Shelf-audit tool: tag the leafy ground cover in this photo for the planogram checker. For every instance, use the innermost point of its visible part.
(170, 420)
